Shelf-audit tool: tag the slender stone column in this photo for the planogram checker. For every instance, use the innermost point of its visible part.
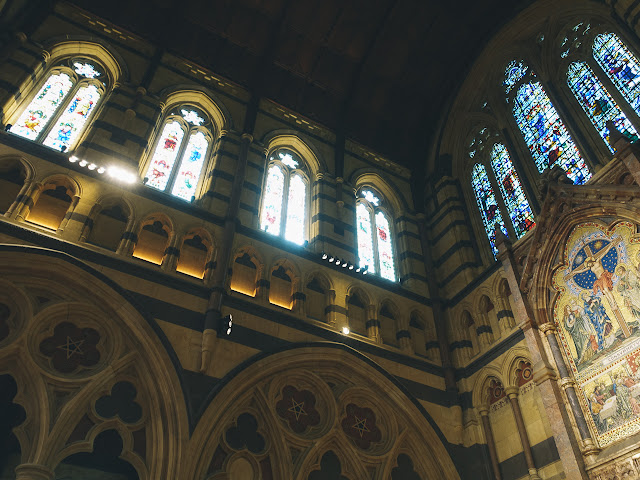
(18, 200)
(69, 214)
(31, 471)
(298, 303)
(512, 393)
(330, 309)
(505, 315)
(589, 448)
(543, 373)
(171, 255)
(484, 331)
(26, 202)
(491, 445)
(404, 340)
(373, 324)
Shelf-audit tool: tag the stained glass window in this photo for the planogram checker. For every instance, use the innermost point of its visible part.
(489, 209)
(511, 190)
(296, 208)
(164, 157)
(43, 106)
(515, 71)
(620, 65)
(72, 121)
(385, 251)
(375, 249)
(183, 140)
(596, 101)
(86, 70)
(545, 134)
(190, 167)
(272, 203)
(365, 238)
(285, 216)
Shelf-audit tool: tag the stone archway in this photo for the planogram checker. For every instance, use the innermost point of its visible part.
(284, 412)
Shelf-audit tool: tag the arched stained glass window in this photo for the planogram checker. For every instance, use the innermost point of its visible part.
(545, 134)
(487, 203)
(596, 101)
(374, 236)
(512, 193)
(280, 215)
(620, 65)
(185, 136)
(60, 110)
(365, 238)
(385, 250)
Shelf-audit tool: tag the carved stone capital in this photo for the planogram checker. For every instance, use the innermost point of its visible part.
(547, 328)
(512, 392)
(483, 410)
(567, 382)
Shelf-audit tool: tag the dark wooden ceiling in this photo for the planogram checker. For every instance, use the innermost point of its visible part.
(380, 71)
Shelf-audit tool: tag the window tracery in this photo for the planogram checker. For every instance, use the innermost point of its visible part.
(285, 215)
(375, 248)
(180, 153)
(58, 113)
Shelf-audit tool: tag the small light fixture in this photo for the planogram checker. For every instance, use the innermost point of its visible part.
(331, 259)
(345, 330)
(351, 267)
(83, 163)
(337, 261)
(324, 256)
(92, 166)
(225, 325)
(63, 148)
(101, 170)
(73, 159)
(344, 264)
(358, 270)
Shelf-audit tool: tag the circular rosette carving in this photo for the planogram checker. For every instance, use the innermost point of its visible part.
(71, 340)
(70, 347)
(298, 408)
(360, 425)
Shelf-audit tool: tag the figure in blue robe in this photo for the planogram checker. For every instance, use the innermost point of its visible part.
(597, 314)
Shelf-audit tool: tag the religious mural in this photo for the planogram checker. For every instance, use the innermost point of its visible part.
(597, 313)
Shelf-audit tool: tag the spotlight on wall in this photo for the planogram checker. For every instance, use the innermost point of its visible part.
(331, 259)
(351, 267)
(337, 261)
(358, 270)
(121, 174)
(344, 264)
(324, 256)
(345, 330)
(73, 159)
(83, 163)
(225, 324)
(92, 166)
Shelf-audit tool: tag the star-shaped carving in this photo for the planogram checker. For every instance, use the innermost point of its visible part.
(72, 347)
(297, 408)
(360, 425)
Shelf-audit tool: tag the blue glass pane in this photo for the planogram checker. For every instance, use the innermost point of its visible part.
(487, 204)
(546, 135)
(620, 65)
(512, 193)
(596, 101)
(514, 72)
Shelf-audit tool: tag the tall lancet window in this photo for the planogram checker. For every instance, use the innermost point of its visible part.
(511, 190)
(543, 130)
(599, 106)
(180, 153)
(62, 107)
(374, 235)
(487, 204)
(620, 65)
(284, 202)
